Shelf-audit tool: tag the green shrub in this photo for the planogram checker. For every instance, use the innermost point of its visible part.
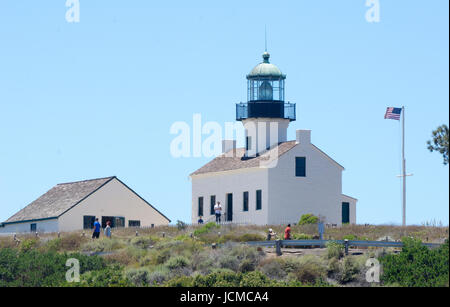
(307, 219)
(335, 250)
(159, 276)
(333, 266)
(143, 242)
(205, 228)
(229, 262)
(349, 269)
(417, 266)
(111, 276)
(102, 245)
(302, 236)
(273, 268)
(255, 279)
(309, 269)
(139, 277)
(218, 279)
(180, 281)
(32, 268)
(28, 244)
(234, 237)
(177, 262)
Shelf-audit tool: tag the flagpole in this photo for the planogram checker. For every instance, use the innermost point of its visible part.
(404, 166)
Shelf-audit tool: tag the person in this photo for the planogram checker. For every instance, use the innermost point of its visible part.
(271, 234)
(287, 232)
(218, 212)
(97, 226)
(108, 229)
(200, 220)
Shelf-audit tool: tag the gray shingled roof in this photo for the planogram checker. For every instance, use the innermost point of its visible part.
(238, 161)
(58, 200)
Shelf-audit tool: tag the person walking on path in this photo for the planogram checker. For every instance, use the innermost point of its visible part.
(218, 212)
(108, 229)
(96, 233)
(287, 232)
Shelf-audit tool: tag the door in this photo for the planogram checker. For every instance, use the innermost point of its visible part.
(229, 207)
(345, 213)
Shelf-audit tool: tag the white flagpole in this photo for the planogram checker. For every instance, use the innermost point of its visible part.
(404, 166)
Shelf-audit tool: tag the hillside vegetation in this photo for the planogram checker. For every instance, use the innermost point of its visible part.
(215, 256)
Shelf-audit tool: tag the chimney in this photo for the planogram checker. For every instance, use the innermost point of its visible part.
(228, 145)
(303, 137)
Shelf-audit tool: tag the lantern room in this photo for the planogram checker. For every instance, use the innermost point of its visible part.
(265, 82)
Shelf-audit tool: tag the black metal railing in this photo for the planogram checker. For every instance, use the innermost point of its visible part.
(265, 109)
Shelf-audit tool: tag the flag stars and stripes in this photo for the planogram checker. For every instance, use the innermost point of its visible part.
(393, 113)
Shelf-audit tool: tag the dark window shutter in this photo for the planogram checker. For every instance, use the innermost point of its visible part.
(258, 200)
(200, 206)
(245, 204)
(213, 203)
(300, 166)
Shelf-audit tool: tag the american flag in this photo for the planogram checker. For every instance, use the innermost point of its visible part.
(393, 113)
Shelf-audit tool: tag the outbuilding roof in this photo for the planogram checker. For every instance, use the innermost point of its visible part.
(58, 200)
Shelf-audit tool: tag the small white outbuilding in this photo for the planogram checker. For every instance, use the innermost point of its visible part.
(76, 205)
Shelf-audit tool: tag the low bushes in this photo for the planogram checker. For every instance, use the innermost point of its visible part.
(102, 245)
(32, 268)
(205, 228)
(307, 219)
(335, 250)
(417, 266)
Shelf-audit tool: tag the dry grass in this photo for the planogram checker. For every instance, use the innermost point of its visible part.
(74, 240)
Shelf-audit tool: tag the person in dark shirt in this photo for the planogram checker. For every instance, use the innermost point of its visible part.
(97, 226)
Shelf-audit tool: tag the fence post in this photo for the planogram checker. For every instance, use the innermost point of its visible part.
(278, 247)
(346, 246)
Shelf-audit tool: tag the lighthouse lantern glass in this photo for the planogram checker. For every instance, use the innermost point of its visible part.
(265, 90)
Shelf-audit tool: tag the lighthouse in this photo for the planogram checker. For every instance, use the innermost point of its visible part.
(265, 115)
(300, 179)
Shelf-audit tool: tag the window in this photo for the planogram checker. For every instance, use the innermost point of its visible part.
(132, 223)
(33, 227)
(116, 221)
(300, 166)
(245, 204)
(213, 203)
(258, 200)
(88, 221)
(119, 221)
(200, 206)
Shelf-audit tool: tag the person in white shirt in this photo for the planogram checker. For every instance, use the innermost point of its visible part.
(218, 212)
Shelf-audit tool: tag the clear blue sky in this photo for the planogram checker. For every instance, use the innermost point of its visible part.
(97, 98)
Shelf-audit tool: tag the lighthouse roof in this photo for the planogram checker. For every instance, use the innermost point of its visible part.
(266, 70)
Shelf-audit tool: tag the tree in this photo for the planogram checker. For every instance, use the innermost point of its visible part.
(440, 142)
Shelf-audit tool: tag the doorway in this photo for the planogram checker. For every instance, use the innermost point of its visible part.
(345, 213)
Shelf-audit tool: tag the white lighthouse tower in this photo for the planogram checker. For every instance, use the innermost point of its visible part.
(265, 115)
